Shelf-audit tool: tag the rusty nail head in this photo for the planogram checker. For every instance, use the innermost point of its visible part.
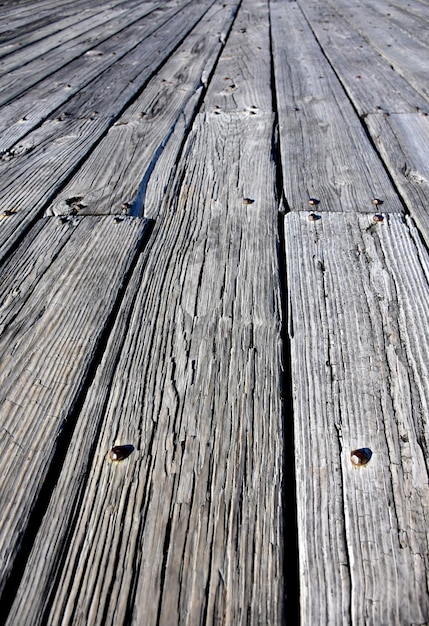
(313, 201)
(377, 201)
(361, 456)
(313, 217)
(378, 217)
(248, 201)
(119, 453)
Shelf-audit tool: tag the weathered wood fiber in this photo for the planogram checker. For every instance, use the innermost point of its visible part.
(403, 142)
(407, 55)
(38, 66)
(324, 148)
(188, 528)
(242, 80)
(57, 294)
(27, 111)
(23, 18)
(82, 11)
(401, 19)
(115, 176)
(359, 307)
(60, 46)
(42, 162)
(370, 81)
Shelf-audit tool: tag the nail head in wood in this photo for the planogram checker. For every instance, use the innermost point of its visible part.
(361, 456)
(313, 201)
(313, 217)
(119, 453)
(377, 201)
(378, 217)
(248, 201)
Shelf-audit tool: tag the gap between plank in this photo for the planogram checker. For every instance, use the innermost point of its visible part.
(290, 530)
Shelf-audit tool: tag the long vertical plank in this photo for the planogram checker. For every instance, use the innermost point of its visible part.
(324, 148)
(359, 307)
(115, 176)
(188, 528)
(57, 294)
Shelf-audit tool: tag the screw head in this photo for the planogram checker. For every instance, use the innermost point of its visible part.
(119, 453)
(361, 456)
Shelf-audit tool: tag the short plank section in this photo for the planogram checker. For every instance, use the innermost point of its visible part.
(57, 294)
(324, 148)
(359, 308)
(115, 176)
(188, 528)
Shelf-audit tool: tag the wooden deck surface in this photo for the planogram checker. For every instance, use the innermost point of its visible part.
(214, 233)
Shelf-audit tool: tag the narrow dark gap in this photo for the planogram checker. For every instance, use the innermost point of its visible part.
(42, 501)
(290, 526)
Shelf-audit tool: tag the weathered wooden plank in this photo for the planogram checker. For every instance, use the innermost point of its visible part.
(358, 309)
(24, 20)
(29, 71)
(57, 294)
(370, 82)
(324, 148)
(407, 55)
(403, 141)
(242, 80)
(192, 519)
(400, 19)
(57, 29)
(42, 162)
(26, 112)
(115, 176)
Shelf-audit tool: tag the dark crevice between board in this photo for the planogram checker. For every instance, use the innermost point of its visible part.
(290, 526)
(58, 458)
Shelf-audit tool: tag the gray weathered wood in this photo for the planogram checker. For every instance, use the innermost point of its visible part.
(27, 111)
(403, 142)
(33, 66)
(359, 307)
(407, 55)
(57, 295)
(39, 165)
(115, 176)
(242, 80)
(188, 528)
(324, 149)
(370, 81)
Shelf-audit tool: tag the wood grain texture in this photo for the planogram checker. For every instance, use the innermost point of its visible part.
(242, 80)
(401, 49)
(358, 309)
(34, 170)
(403, 141)
(116, 175)
(324, 149)
(191, 378)
(58, 293)
(370, 81)
(27, 111)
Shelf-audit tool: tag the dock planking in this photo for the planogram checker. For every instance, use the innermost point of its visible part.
(197, 339)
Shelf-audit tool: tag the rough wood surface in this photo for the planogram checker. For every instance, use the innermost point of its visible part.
(359, 305)
(370, 81)
(34, 170)
(58, 293)
(324, 148)
(115, 176)
(403, 141)
(192, 519)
